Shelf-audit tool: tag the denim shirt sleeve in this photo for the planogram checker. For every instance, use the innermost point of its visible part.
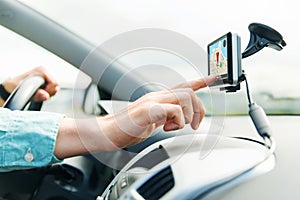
(27, 139)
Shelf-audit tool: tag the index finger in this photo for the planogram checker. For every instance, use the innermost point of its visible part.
(199, 83)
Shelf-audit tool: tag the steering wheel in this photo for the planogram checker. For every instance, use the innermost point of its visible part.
(23, 95)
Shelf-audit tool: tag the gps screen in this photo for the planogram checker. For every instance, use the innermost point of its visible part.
(218, 59)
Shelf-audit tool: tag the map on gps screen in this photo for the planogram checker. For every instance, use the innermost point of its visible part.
(218, 57)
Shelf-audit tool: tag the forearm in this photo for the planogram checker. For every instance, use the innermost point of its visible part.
(81, 136)
(96, 134)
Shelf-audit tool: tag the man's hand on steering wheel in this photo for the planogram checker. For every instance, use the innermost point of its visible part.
(50, 89)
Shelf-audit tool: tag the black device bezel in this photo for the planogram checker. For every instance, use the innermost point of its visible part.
(225, 78)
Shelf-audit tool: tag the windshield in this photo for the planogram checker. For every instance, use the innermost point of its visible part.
(272, 74)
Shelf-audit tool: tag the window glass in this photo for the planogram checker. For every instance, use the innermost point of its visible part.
(272, 74)
(19, 55)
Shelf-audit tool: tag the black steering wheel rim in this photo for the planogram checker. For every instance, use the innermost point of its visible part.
(23, 95)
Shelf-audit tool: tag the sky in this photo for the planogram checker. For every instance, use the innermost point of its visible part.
(201, 21)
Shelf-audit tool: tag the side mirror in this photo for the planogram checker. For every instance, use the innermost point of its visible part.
(263, 36)
(91, 100)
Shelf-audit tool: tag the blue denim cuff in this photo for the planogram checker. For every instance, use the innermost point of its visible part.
(27, 138)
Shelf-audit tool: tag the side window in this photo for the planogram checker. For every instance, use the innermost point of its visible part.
(19, 55)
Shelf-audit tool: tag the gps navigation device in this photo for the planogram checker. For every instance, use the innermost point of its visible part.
(224, 60)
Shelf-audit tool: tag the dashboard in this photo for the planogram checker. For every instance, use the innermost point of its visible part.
(282, 182)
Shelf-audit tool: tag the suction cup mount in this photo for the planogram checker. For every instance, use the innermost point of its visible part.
(263, 36)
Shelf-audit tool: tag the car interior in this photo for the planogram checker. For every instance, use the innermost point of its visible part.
(173, 165)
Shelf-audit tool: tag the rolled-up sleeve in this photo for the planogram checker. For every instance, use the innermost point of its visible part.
(27, 138)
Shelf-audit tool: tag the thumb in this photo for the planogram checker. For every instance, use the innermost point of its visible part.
(41, 95)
